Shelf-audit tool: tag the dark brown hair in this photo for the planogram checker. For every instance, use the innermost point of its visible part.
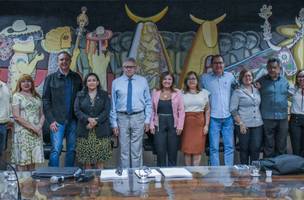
(162, 77)
(85, 87)
(26, 77)
(273, 60)
(297, 75)
(216, 56)
(242, 74)
(186, 87)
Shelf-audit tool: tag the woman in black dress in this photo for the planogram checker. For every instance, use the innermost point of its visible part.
(92, 108)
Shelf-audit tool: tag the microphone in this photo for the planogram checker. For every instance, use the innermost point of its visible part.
(85, 177)
(57, 179)
(78, 172)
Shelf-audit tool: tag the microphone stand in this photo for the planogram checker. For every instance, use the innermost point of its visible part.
(15, 172)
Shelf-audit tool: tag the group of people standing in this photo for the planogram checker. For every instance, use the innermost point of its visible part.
(215, 105)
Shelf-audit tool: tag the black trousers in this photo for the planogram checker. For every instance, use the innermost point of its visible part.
(296, 127)
(166, 141)
(250, 144)
(275, 137)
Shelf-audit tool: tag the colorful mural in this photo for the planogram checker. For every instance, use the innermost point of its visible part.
(25, 56)
(25, 48)
(148, 47)
(204, 44)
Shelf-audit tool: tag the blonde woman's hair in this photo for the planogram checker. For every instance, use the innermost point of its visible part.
(26, 77)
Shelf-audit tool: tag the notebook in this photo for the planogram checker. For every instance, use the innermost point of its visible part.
(176, 172)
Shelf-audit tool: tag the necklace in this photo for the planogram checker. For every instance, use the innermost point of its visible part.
(166, 95)
(92, 96)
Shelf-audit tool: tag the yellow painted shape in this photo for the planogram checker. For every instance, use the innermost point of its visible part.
(205, 43)
(289, 31)
(154, 18)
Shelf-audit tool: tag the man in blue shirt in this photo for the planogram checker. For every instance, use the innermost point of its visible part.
(219, 84)
(130, 113)
(274, 109)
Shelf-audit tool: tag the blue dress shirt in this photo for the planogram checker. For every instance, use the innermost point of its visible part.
(274, 94)
(141, 98)
(220, 92)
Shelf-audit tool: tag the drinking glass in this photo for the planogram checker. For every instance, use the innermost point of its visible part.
(256, 166)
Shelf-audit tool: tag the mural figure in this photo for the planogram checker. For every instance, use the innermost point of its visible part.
(6, 47)
(205, 43)
(148, 47)
(56, 40)
(296, 42)
(294, 31)
(25, 57)
(80, 61)
(98, 55)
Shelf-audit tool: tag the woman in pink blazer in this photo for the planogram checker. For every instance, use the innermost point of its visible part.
(167, 120)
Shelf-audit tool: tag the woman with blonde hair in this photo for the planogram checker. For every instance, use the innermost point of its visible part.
(27, 148)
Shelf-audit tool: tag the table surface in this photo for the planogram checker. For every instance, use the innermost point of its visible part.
(207, 183)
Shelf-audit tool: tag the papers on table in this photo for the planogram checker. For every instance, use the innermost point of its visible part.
(109, 174)
(154, 173)
(175, 173)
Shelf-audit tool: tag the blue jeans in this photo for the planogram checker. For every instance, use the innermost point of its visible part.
(224, 126)
(3, 135)
(69, 131)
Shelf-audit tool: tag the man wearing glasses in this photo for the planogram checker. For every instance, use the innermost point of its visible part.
(219, 84)
(130, 113)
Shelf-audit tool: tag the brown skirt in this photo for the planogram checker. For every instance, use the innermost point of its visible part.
(193, 138)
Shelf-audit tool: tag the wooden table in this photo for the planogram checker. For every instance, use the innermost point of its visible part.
(213, 183)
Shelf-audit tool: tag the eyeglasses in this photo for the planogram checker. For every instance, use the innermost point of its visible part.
(192, 79)
(217, 63)
(129, 66)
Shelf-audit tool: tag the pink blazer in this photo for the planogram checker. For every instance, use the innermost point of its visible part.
(177, 107)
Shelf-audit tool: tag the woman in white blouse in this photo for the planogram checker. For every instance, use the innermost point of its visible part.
(296, 123)
(197, 110)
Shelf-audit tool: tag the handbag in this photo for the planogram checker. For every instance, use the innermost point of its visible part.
(284, 164)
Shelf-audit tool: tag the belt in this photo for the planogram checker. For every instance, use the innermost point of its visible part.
(300, 116)
(133, 113)
(165, 114)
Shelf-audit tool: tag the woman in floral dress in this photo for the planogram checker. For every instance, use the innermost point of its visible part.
(27, 147)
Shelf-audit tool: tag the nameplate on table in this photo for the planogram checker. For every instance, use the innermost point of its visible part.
(176, 172)
(110, 174)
